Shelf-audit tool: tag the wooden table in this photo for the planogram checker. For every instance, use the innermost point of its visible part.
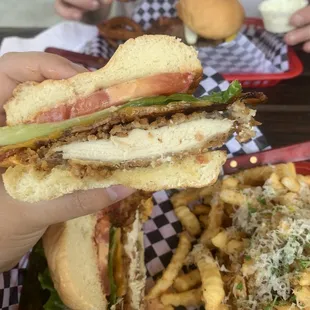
(286, 118)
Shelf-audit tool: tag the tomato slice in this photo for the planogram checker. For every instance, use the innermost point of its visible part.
(161, 84)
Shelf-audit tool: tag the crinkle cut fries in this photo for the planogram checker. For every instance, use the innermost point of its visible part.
(252, 251)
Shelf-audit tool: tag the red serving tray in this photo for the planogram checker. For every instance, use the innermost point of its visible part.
(256, 80)
(299, 154)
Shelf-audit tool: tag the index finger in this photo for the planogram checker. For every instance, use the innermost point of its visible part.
(16, 68)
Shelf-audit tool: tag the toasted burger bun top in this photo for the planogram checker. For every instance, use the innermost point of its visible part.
(212, 19)
(145, 56)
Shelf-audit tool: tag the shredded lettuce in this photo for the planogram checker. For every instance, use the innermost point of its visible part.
(54, 302)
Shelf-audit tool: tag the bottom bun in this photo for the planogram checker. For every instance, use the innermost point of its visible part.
(30, 185)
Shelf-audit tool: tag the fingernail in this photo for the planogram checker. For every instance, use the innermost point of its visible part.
(95, 4)
(78, 68)
(77, 15)
(290, 38)
(119, 192)
(307, 47)
(297, 20)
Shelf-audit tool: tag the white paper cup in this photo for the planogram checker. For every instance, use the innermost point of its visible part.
(277, 14)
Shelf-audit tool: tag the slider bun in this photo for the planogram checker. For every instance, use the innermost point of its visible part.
(145, 56)
(212, 19)
(72, 260)
(27, 184)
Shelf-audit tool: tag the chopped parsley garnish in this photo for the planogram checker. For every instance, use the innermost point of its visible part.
(247, 257)
(270, 307)
(252, 210)
(304, 264)
(286, 268)
(262, 200)
(239, 286)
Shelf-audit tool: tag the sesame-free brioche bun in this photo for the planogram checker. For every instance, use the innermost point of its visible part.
(212, 19)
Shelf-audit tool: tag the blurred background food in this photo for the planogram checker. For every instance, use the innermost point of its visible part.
(210, 22)
(40, 13)
(277, 14)
(211, 19)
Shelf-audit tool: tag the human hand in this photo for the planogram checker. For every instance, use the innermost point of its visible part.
(74, 9)
(300, 19)
(23, 224)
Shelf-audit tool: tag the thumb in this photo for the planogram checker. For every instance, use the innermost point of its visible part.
(79, 204)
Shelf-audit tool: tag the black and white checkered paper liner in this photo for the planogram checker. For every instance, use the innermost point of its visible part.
(161, 231)
(253, 51)
(11, 285)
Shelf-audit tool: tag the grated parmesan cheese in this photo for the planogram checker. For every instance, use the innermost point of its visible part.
(279, 237)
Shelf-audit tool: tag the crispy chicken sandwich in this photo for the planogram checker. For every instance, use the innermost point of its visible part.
(134, 122)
